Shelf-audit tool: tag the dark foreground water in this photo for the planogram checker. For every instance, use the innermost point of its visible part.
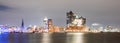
(60, 38)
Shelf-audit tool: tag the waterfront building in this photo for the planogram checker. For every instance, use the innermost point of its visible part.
(79, 21)
(50, 23)
(75, 23)
(45, 24)
(52, 28)
(73, 19)
(70, 17)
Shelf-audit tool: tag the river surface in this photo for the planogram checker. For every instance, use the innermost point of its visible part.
(60, 37)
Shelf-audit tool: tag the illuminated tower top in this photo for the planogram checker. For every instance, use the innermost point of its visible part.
(45, 19)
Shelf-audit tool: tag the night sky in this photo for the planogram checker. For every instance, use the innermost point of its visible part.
(104, 12)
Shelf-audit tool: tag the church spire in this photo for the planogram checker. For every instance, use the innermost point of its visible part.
(22, 24)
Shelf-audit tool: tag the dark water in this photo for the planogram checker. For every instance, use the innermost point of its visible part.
(60, 38)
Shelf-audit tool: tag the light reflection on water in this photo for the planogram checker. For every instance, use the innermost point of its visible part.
(46, 38)
(74, 38)
(4, 38)
(60, 38)
(17, 38)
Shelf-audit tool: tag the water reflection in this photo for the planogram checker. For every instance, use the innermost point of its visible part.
(110, 37)
(34, 37)
(17, 38)
(59, 38)
(46, 38)
(74, 38)
(4, 38)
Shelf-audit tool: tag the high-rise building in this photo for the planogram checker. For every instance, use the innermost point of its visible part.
(45, 24)
(75, 23)
(50, 23)
(79, 21)
(83, 20)
(73, 19)
(70, 17)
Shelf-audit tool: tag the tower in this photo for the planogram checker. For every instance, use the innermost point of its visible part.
(22, 24)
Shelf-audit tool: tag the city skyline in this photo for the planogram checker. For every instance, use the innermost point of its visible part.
(105, 12)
